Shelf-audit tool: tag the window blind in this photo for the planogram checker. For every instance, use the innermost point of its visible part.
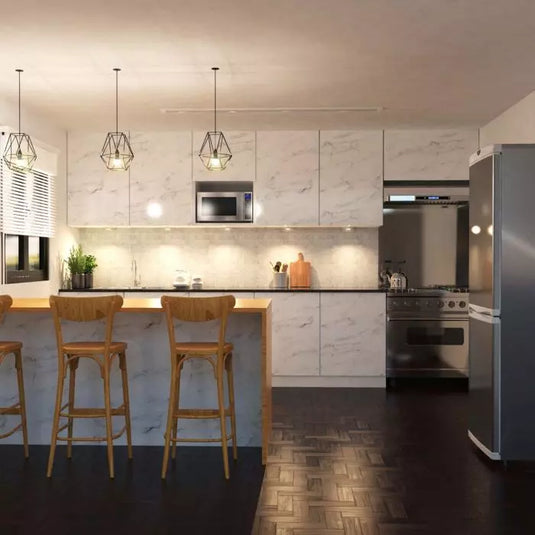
(28, 204)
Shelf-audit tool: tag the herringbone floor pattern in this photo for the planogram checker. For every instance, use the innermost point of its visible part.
(363, 462)
(330, 478)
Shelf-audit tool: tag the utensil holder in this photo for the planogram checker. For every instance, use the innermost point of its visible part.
(280, 280)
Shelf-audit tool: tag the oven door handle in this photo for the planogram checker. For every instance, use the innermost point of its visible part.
(411, 318)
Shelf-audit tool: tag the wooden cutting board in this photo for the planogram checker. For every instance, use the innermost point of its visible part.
(300, 273)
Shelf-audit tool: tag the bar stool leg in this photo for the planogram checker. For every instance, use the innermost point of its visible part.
(170, 415)
(107, 409)
(22, 401)
(55, 422)
(73, 364)
(230, 382)
(126, 401)
(177, 404)
(222, 418)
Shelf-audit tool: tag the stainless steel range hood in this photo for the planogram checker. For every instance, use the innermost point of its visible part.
(425, 192)
(428, 231)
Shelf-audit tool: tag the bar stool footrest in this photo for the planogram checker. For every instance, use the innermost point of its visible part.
(11, 410)
(198, 414)
(91, 412)
(9, 433)
(91, 439)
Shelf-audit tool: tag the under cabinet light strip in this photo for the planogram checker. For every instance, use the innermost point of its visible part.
(274, 110)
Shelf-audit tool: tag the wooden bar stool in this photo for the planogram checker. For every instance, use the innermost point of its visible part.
(84, 309)
(218, 354)
(19, 408)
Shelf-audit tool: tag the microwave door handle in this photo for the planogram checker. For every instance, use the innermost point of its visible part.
(240, 200)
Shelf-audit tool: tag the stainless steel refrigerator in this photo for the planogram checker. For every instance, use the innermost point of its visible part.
(502, 301)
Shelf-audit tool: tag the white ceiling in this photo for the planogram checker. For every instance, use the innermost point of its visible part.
(433, 63)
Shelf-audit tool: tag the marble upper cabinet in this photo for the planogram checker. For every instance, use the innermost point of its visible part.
(428, 154)
(161, 191)
(96, 195)
(351, 178)
(241, 165)
(286, 187)
(352, 334)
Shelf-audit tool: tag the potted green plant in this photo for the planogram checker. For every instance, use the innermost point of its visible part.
(90, 263)
(76, 264)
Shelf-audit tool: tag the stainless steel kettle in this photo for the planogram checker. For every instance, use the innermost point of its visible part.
(398, 280)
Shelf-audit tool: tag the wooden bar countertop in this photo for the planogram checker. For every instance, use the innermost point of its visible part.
(243, 306)
(39, 304)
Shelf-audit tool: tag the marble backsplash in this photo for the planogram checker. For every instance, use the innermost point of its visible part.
(231, 258)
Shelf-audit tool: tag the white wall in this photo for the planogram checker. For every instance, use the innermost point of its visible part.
(54, 138)
(514, 125)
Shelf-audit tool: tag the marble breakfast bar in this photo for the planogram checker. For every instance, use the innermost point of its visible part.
(142, 325)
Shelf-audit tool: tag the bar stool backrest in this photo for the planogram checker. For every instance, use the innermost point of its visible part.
(81, 309)
(197, 309)
(5, 305)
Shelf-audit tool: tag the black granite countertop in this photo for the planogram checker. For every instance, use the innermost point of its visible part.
(164, 289)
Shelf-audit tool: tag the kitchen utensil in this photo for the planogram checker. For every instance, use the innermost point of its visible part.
(280, 280)
(300, 273)
(284, 268)
(277, 267)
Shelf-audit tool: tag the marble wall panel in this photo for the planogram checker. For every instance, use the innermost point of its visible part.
(148, 363)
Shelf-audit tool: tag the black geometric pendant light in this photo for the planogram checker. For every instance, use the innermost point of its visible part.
(19, 153)
(215, 153)
(116, 152)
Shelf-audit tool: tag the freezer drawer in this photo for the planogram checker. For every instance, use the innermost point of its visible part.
(484, 389)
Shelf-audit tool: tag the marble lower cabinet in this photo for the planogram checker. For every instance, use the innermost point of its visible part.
(331, 339)
(352, 334)
(295, 349)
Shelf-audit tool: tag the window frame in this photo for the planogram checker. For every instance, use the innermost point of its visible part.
(24, 273)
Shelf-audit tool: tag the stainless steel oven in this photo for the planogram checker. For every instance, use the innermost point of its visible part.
(427, 334)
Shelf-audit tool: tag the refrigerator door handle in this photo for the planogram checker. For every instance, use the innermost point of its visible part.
(483, 317)
(484, 310)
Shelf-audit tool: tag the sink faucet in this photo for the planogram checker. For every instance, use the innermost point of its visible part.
(137, 278)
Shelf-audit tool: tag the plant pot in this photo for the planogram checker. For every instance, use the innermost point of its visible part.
(88, 280)
(78, 281)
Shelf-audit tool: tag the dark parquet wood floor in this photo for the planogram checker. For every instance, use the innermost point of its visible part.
(396, 462)
(342, 461)
(80, 499)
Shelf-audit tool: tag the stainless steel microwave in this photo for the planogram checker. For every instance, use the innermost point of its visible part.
(225, 206)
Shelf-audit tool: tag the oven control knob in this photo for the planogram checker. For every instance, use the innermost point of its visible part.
(451, 304)
(462, 304)
(441, 304)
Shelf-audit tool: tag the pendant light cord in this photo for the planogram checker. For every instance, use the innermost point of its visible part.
(215, 69)
(19, 71)
(116, 99)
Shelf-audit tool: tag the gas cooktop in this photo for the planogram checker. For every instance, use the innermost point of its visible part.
(438, 290)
